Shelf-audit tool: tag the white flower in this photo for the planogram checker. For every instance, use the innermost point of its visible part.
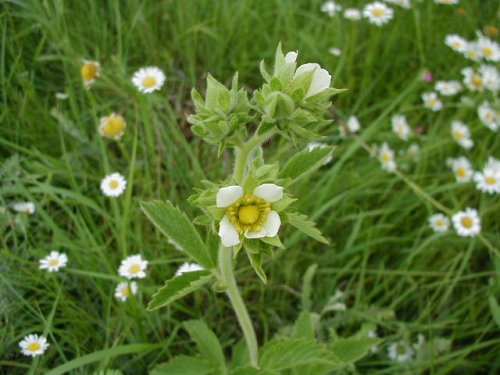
(112, 126)
(291, 57)
(456, 42)
(133, 267)
(490, 77)
(446, 2)
(373, 334)
(386, 158)
(24, 207)
(320, 81)
(432, 101)
(113, 185)
(448, 88)
(330, 7)
(461, 134)
(414, 151)
(61, 96)
(467, 223)
(124, 289)
(148, 79)
(489, 49)
(472, 79)
(89, 71)
(488, 180)
(53, 261)
(378, 13)
(188, 267)
(400, 351)
(250, 215)
(462, 169)
(472, 51)
(489, 116)
(33, 345)
(335, 51)
(353, 124)
(313, 145)
(400, 127)
(439, 223)
(352, 14)
(402, 3)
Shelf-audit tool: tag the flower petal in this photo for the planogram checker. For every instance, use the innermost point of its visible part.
(291, 57)
(259, 234)
(227, 195)
(269, 192)
(228, 233)
(306, 68)
(272, 224)
(320, 82)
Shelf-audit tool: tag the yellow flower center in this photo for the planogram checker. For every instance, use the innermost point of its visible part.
(125, 291)
(487, 51)
(386, 157)
(488, 117)
(490, 180)
(378, 12)
(476, 80)
(491, 31)
(467, 222)
(472, 54)
(439, 223)
(89, 71)
(456, 44)
(461, 171)
(457, 134)
(249, 213)
(134, 268)
(113, 126)
(53, 262)
(34, 346)
(149, 82)
(432, 102)
(113, 184)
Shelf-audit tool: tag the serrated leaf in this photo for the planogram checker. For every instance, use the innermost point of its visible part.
(302, 223)
(184, 365)
(179, 229)
(351, 350)
(305, 162)
(304, 326)
(256, 262)
(208, 344)
(178, 287)
(273, 241)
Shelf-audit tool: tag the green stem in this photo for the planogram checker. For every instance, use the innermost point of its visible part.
(227, 277)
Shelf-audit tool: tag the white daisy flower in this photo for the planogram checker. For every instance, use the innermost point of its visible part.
(149, 79)
(53, 261)
(432, 101)
(402, 3)
(456, 42)
(33, 345)
(378, 13)
(352, 14)
(90, 71)
(489, 49)
(488, 180)
(489, 116)
(335, 51)
(472, 51)
(330, 8)
(448, 88)
(472, 79)
(24, 207)
(124, 289)
(414, 151)
(439, 223)
(462, 169)
(400, 351)
(313, 145)
(467, 223)
(490, 77)
(446, 2)
(386, 158)
(320, 81)
(133, 267)
(461, 134)
(112, 126)
(188, 267)
(353, 124)
(113, 185)
(400, 127)
(250, 215)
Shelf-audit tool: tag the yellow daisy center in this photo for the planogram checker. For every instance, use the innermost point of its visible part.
(467, 222)
(440, 223)
(113, 184)
(472, 54)
(249, 213)
(125, 291)
(386, 157)
(149, 82)
(461, 172)
(134, 268)
(490, 180)
(456, 44)
(476, 80)
(487, 51)
(53, 262)
(378, 12)
(89, 71)
(34, 346)
(489, 116)
(458, 134)
(113, 126)
(432, 102)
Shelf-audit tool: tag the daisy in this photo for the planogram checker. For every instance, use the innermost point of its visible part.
(124, 289)
(431, 101)
(33, 345)
(489, 49)
(461, 134)
(330, 8)
(386, 157)
(488, 180)
(148, 79)
(439, 223)
(400, 351)
(467, 223)
(488, 116)
(400, 127)
(462, 169)
(112, 126)
(53, 261)
(24, 207)
(113, 185)
(133, 267)
(248, 214)
(378, 13)
(472, 51)
(352, 14)
(456, 42)
(472, 80)
(188, 267)
(448, 88)
(490, 77)
(89, 71)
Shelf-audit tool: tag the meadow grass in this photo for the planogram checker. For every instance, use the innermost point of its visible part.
(394, 270)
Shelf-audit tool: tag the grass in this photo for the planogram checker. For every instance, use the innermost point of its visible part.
(396, 273)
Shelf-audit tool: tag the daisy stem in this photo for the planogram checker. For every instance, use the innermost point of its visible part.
(227, 277)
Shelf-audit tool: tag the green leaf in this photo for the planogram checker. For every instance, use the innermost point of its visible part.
(305, 162)
(307, 286)
(495, 310)
(273, 241)
(302, 223)
(256, 262)
(178, 287)
(179, 229)
(208, 344)
(352, 349)
(184, 365)
(304, 326)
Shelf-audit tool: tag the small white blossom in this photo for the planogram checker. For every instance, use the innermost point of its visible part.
(456, 42)
(448, 88)
(439, 223)
(400, 351)
(33, 345)
(320, 81)
(488, 181)
(113, 185)
(149, 79)
(467, 223)
(432, 101)
(378, 13)
(461, 134)
(489, 116)
(352, 14)
(331, 7)
(400, 127)
(24, 207)
(386, 158)
(462, 169)
(53, 261)
(124, 289)
(133, 267)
